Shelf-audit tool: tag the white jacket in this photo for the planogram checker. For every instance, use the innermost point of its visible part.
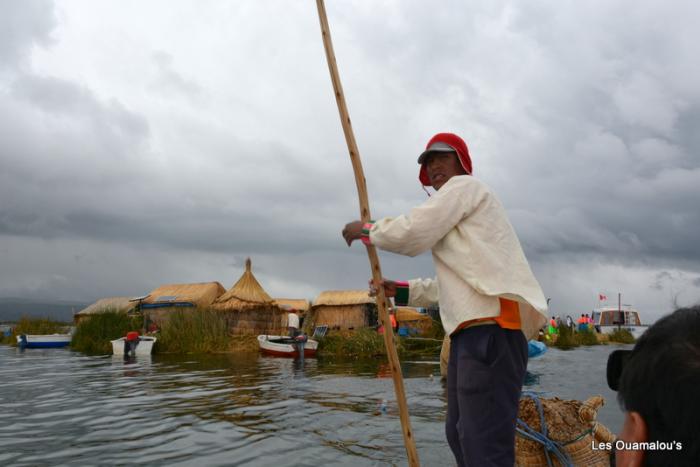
(477, 256)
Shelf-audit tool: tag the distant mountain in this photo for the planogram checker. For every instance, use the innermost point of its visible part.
(12, 309)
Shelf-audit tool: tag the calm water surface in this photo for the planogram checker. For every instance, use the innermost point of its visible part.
(64, 408)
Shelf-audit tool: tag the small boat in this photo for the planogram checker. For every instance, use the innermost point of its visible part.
(610, 318)
(283, 346)
(133, 344)
(535, 349)
(43, 341)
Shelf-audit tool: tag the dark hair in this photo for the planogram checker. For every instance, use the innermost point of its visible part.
(661, 381)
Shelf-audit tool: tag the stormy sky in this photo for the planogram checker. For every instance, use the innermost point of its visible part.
(144, 143)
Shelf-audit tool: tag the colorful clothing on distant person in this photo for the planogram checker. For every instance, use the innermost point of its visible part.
(582, 324)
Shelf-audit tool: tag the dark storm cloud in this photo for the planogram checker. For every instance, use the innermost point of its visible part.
(190, 152)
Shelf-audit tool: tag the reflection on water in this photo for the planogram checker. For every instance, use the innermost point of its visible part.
(531, 379)
(61, 407)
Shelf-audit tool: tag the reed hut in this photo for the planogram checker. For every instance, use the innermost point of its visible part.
(104, 305)
(249, 309)
(345, 310)
(169, 298)
(414, 321)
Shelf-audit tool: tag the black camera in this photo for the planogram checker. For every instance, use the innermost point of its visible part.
(616, 363)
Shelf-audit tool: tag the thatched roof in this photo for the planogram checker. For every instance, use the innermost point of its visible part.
(298, 304)
(246, 293)
(108, 304)
(343, 297)
(199, 294)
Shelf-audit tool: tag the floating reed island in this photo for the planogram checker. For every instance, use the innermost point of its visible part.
(206, 318)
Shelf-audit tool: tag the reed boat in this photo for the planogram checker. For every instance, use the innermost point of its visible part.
(283, 346)
(43, 341)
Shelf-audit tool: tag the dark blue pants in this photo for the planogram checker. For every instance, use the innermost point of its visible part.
(485, 376)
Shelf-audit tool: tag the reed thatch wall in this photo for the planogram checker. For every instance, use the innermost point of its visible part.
(345, 310)
(258, 320)
(249, 309)
(103, 305)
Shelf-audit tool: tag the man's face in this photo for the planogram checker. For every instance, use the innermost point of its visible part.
(442, 166)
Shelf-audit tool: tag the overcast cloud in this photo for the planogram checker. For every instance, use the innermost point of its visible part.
(144, 143)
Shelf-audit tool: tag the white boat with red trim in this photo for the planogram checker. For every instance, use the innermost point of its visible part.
(284, 346)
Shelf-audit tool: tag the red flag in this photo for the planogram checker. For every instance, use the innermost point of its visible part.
(602, 297)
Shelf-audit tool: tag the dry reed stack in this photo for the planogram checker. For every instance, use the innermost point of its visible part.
(416, 322)
(180, 297)
(104, 305)
(571, 424)
(249, 309)
(345, 310)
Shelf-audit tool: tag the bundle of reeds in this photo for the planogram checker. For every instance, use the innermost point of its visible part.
(571, 424)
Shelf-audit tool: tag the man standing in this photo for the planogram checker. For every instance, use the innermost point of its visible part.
(490, 302)
(293, 324)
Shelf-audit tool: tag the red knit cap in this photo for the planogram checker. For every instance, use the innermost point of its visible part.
(451, 140)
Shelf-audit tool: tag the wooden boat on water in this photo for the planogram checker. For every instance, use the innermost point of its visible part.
(43, 341)
(133, 344)
(283, 346)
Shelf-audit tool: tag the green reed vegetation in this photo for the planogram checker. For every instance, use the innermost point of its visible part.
(622, 336)
(587, 338)
(360, 343)
(194, 331)
(183, 332)
(569, 338)
(94, 333)
(367, 342)
(28, 325)
(565, 340)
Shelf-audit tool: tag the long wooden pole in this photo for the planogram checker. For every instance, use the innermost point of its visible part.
(371, 250)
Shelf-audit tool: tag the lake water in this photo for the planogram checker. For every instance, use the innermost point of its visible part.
(60, 407)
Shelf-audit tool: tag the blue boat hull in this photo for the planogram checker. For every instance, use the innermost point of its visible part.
(43, 341)
(45, 345)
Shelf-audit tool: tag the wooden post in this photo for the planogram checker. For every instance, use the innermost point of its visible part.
(371, 250)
